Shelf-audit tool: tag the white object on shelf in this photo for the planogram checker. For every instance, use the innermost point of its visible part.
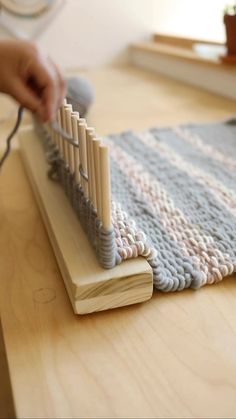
(29, 22)
(27, 7)
(209, 51)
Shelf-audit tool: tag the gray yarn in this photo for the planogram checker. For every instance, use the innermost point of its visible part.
(103, 241)
(179, 186)
(80, 94)
(174, 270)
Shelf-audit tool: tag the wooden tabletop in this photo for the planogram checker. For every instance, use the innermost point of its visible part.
(173, 356)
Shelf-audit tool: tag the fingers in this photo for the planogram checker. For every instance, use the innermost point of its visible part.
(61, 85)
(51, 85)
(44, 77)
(31, 78)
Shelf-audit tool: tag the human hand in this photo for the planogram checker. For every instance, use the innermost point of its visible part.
(31, 78)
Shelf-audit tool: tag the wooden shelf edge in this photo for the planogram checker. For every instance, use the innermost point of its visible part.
(181, 54)
(182, 41)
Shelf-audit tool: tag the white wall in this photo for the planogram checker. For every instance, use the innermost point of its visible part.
(95, 32)
(202, 19)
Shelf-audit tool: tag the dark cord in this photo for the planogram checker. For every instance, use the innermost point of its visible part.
(11, 135)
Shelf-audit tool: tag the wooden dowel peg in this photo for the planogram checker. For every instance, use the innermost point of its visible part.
(89, 132)
(64, 143)
(75, 134)
(82, 141)
(105, 186)
(56, 138)
(59, 136)
(68, 111)
(96, 143)
(92, 158)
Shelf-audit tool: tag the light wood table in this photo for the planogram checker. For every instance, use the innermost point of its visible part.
(173, 356)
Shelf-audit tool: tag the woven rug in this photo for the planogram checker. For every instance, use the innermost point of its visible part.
(174, 201)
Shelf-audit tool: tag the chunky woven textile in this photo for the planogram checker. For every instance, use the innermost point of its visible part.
(174, 202)
(179, 185)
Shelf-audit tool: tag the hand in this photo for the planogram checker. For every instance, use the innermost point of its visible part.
(31, 78)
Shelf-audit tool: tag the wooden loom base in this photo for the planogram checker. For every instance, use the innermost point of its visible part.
(90, 287)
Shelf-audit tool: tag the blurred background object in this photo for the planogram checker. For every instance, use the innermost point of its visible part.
(90, 33)
(230, 27)
(27, 7)
(27, 18)
(184, 39)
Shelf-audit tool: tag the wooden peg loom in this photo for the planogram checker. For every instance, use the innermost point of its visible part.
(75, 154)
(80, 162)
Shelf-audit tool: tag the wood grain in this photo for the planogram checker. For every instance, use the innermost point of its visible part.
(173, 356)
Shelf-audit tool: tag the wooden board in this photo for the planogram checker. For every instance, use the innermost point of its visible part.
(90, 287)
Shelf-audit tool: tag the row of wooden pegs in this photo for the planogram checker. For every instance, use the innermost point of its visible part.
(90, 158)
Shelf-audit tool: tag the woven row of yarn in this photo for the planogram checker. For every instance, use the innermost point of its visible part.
(214, 269)
(166, 276)
(164, 268)
(193, 242)
(182, 233)
(103, 241)
(131, 242)
(196, 141)
(228, 196)
(129, 199)
(221, 266)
